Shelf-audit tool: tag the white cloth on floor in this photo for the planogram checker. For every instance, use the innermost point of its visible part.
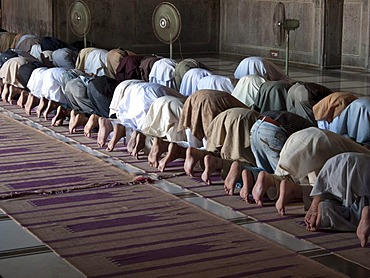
(307, 151)
(10, 69)
(118, 94)
(162, 119)
(36, 51)
(190, 80)
(163, 73)
(96, 62)
(137, 100)
(52, 85)
(344, 185)
(35, 82)
(247, 89)
(216, 82)
(259, 66)
(353, 122)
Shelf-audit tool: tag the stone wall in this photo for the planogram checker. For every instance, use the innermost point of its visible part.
(33, 17)
(332, 33)
(355, 43)
(128, 23)
(247, 28)
(125, 23)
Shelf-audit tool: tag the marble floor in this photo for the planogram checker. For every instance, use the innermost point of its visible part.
(356, 82)
(23, 255)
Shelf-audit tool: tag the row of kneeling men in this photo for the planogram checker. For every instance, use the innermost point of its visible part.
(268, 136)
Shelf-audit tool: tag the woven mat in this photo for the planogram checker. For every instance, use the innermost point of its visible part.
(118, 229)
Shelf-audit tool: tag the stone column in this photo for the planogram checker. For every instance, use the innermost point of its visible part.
(332, 34)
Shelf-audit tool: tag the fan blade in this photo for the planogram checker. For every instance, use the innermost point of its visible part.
(80, 19)
(278, 21)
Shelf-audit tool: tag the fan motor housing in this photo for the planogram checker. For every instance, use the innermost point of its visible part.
(291, 24)
(164, 22)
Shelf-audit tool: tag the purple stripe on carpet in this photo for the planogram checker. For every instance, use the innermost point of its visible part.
(136, 161)
(120, 201)
(175, 164)
(34, 152)
(39, 159)
(223, 195)
(24, 166)
(54, 168)
(166, 225)
(53, 181)
(344, 248)
(71, 199)
(260, 272)
(95, 215)
(139, 245)
(312, 235)
(28, 144)
(165, 253)
(123, 221)
(187, 263)
(14, 150)
(198, 179)
(278, 219)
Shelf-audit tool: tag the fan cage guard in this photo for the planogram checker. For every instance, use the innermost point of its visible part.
(166, 22)
(80, 18)
(279, 19)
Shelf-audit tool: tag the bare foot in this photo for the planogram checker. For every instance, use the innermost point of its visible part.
(311, 218)
(363, 228)
(247, 178)
(105, 128)
(72, 118)
(119, 131)
(52, 105)
(140, 144)
(132, 142)
(232, 177)
(59, 117)
(91, 124)
(13, 91)
(22, 99)
(41, 107)
(174, 152)
(158, 148)
(32, 102)
(76, 120)
(5, 92)
(264, 182)
(211, 164)
(288, 190)
(193, 155)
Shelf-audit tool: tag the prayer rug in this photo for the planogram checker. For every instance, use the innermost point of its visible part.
(88, 212)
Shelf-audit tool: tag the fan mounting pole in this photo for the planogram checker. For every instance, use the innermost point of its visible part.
(85, 41)
(289, 25)
(170, 46)
(287, 53)
(166, 23)
(283, 26)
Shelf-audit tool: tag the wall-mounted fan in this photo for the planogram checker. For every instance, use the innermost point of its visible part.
(282, 27)
(80, 19)
(166, 23)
